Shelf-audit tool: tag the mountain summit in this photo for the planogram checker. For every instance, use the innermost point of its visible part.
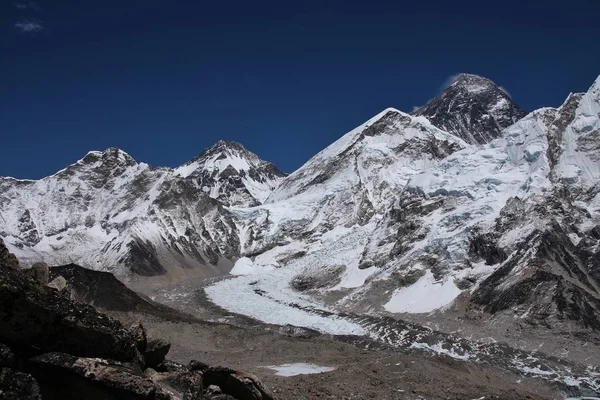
(232, 174)
(472, 108)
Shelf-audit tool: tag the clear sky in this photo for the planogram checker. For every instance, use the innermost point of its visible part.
(164, 79)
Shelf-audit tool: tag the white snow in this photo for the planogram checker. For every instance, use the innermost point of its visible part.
(245, 266)
(423, 296)
(277, 304)
(299, 369)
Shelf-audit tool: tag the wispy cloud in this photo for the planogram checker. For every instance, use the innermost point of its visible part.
(27, 5)
(415, 108)
(28, 26)
(449, 81)
(505, 91)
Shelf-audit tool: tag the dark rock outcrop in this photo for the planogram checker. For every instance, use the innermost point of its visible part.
(238, 384)
(93, 379)
(40, 318)
(139, 333)
(555, 283)
(7, 357)
(156, 351)
(7, 259)
(15, 385)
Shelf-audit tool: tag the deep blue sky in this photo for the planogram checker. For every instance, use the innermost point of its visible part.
(165, 79)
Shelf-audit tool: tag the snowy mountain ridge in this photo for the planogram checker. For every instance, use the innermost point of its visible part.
(231, 174)
(397, 216)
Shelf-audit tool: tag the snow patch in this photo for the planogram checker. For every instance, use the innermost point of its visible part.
(245, 266)
(299, 369)
(423, 296)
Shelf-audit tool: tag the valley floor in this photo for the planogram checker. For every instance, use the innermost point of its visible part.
(363, 368)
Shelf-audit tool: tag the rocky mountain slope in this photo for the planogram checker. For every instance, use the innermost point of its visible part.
(472, 108)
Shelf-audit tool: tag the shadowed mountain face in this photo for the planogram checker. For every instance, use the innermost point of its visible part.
(472, 108)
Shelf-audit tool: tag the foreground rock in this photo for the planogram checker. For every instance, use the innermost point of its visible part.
(156, 351)
(7, 259)
(52, 347)
(15, 385)
(40, 318)
(239, 384)
(93, 378)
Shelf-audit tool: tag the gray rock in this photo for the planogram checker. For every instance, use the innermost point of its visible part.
(40, 273)
(7, 259)
(59, 283)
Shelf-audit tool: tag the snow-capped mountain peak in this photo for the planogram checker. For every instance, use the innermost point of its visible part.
(473, 83)
(472, 108)
(229, 172)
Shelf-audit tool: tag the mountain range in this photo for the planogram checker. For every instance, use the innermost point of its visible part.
(467, 204)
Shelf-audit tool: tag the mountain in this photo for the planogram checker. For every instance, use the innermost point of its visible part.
(399, 217)
(349, 185)
(396, 217)
(472, 108)
(111, 213)
(231, 174)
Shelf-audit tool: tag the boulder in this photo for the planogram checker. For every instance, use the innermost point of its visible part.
(239, 384)
(92, 379)
(7, 357)
(196, 365)
(170, 366)
(59, 283)
(15, 385)
(36, 317)
(185, 384)
(156, 351)
(139, 334)
(40, 273)
(7, 259)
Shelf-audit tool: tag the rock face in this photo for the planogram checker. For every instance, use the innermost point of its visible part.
(52, 347)
(7, 259)
(40, 317)
(472, 108)
(15, 385)
(95, 378)
(156, 351)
